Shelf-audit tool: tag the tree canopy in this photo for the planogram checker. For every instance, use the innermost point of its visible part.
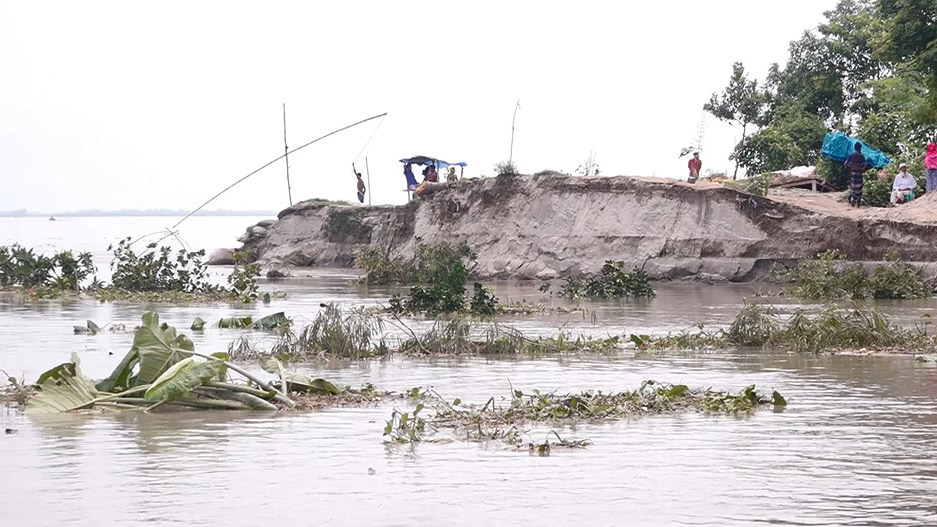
(870, 70)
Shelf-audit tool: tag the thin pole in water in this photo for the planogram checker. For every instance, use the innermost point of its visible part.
(513, 120)
(272, 161)
(367, 170)
(286, 155)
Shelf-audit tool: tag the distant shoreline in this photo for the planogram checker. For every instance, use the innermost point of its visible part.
(132, 213)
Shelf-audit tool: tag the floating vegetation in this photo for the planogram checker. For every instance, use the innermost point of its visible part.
(163, 369)
(454, 336)
(827, 329)
(507, 420)
(275, 321)
(831, 277)
(90, 328)
(360, 333)
(333, 333)
(611, 282)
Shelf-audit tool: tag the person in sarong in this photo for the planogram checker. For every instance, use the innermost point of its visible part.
(856, 165)
(930, 165)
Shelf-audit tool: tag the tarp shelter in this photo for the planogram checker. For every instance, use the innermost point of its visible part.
(837, 146)
(425, 160)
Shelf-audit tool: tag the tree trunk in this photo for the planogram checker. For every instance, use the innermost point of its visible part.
(742, 142)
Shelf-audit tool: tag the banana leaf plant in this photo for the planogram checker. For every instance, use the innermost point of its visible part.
(164, 367)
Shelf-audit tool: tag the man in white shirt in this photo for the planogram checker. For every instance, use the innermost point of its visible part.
(903, 187)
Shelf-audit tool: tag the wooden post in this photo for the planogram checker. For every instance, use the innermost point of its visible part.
(513, 120)
(286, 150)
(367, 170)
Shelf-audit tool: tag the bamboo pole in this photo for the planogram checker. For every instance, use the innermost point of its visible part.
(286, 156)
(367, 170)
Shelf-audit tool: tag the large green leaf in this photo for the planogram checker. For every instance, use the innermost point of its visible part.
(273, 321)
(303, 383)
(297, 382)
(235, 323)
(62, 389)
(271, 364)
(121, 378)
(181, 378)
(159, 348)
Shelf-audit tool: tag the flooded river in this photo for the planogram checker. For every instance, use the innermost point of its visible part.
(855, 446)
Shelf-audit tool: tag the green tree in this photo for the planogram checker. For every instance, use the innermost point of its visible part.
(793, 137)
(741, 102)
(910, 35)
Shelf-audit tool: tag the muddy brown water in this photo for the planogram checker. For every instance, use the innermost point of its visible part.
(855, 446)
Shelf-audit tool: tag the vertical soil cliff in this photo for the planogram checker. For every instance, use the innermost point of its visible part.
(551, 226)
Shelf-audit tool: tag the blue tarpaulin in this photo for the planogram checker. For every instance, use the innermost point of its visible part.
(424, 160)
(838, 146)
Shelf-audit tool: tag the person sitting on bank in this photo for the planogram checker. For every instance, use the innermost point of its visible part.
(902, 190)
(411, 179)
(430, 175)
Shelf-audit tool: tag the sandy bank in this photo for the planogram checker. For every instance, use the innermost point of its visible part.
(541, 227)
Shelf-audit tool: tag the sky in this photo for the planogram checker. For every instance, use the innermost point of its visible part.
(119, 105)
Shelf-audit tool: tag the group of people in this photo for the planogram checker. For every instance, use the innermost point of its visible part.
(902, 189)
(904, 185)
(429, 175)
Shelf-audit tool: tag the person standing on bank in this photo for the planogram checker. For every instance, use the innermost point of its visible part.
(856, 165)
(361, 188)
(930, 164)
(694, 165)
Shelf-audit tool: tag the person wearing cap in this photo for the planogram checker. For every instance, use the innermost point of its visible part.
(694, 165)
(902, 190)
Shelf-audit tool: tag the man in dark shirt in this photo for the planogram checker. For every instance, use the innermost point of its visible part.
(856, 165)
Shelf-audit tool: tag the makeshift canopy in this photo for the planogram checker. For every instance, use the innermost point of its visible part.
(438, 163)
(838, 146)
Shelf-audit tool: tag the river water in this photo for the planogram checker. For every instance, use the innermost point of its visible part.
(854, 446)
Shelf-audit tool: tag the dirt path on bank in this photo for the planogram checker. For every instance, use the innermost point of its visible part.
(922, 210)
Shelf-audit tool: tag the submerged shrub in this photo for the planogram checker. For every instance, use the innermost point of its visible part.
(63, 271)
(897, 279)
(380, 269)
(611, 282)
(831, 277)
(755, 325)
(442, 271)
(483, 301)
(156, 270)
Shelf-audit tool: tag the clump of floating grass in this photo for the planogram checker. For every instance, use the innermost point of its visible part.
(831, 328)
(506, 420)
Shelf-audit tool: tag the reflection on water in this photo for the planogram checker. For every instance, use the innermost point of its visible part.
(854, 447)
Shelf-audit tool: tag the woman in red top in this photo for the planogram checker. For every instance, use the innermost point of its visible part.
(694, 165)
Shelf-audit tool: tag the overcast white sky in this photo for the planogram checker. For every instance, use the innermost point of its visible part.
(160, 105)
